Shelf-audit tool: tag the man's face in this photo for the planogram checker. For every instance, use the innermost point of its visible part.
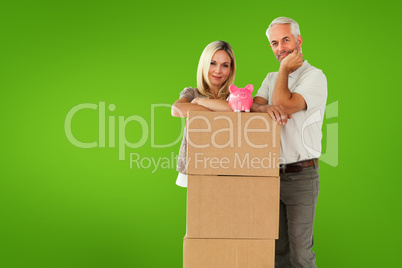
(283, 42)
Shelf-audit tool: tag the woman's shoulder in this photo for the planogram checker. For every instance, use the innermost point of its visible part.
(191, 89)
(190, 93)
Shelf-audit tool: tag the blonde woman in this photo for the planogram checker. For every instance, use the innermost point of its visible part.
(215, 73)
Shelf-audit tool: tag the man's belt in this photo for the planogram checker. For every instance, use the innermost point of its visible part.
(298, 166)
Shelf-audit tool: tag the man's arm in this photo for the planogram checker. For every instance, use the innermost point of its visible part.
(281, 96)
(260, 105)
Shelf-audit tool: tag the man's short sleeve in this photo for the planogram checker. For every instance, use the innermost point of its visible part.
(263, 91)
(313, 88)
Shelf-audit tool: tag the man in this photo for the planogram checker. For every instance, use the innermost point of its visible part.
(295, 97)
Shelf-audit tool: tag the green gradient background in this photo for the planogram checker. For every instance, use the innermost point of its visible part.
(64, 206)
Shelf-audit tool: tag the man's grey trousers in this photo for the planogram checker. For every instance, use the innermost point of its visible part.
(298, 199)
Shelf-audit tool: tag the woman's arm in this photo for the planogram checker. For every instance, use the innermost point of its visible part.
(215, 105)
(183, 105)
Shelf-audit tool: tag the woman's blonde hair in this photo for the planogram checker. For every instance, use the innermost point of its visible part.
(203, 83)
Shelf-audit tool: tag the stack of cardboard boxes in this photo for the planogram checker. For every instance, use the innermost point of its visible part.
(233, 190)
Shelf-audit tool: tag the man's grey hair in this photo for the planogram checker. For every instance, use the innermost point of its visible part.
(294, 26)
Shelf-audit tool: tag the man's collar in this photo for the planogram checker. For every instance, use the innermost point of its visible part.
(299, 70)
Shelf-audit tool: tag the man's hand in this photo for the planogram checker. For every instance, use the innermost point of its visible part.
(276, 112)
(292, 61)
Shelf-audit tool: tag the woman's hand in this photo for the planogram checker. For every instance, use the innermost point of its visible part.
(197, 101)
(183, 105)
(215, 105)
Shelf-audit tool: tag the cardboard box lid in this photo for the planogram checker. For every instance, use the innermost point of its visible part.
(228, 253)
(228, 143)
(232, 207)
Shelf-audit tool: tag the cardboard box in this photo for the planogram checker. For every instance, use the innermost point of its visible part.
(227, 143)
(228, 253)
(232, 207)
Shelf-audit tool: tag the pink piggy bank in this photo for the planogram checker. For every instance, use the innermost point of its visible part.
(240, 99)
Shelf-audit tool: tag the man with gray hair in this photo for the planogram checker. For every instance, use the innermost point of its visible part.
(295, 97)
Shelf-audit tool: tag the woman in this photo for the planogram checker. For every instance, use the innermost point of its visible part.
(215, 73)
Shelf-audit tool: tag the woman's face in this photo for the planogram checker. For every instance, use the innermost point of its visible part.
(219, 69)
